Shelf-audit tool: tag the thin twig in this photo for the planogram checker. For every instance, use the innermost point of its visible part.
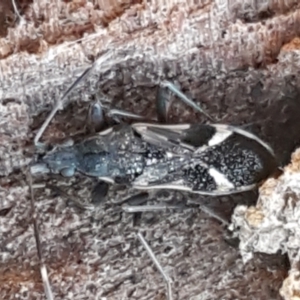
(167, 279)
(43, 269)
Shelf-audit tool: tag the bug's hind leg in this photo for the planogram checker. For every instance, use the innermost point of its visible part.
(172, 87)
(137, 205)
(43, 269)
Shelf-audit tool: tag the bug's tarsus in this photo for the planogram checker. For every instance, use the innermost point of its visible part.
(43, 269)
(184, 98)
(166, 277)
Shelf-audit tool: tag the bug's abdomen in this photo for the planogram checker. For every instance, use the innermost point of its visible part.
(233, 165)
(241, 160)
(198, 178)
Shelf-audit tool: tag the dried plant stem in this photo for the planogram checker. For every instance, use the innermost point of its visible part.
(166, 277)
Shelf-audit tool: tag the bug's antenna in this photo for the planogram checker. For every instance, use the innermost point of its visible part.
(43, 270)
(106, 60)
(184, 98)
(166, 277)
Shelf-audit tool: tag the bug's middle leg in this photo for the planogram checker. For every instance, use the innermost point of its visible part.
(101, 115)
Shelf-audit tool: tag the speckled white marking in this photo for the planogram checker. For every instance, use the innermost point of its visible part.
(219, 137)
(221, 181)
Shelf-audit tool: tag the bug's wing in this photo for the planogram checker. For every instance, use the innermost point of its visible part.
(194, 137)
(231, 130)
(190, 137)
(223, 159)
(195, 177)
(162, 136)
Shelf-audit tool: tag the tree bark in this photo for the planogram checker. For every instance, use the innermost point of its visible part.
(239, 60)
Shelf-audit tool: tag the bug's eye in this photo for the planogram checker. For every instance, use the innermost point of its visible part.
(67, 172)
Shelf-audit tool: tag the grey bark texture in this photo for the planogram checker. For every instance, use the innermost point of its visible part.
(237, 59)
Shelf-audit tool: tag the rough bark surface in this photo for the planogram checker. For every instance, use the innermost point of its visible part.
(272, 226)
(237, 59)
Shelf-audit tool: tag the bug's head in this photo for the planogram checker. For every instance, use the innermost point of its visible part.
(58, 160)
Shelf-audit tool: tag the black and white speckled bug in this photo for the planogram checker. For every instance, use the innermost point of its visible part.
(199, 158)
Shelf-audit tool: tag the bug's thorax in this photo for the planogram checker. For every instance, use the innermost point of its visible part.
(126, 157)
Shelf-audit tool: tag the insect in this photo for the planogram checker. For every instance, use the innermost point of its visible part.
(207, 159)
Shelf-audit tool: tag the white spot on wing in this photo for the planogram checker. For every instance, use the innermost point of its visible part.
(219, 137)
(169, 155)
(245, 133)
(221, 181)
